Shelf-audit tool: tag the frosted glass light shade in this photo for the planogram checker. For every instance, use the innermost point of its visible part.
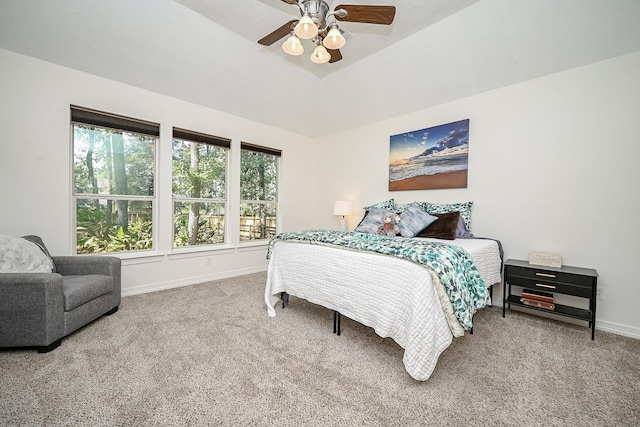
(334, 39)
(320, 55)
(293, 46)
(306, 28)
(343, 207)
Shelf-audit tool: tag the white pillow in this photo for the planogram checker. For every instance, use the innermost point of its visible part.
(18, 255)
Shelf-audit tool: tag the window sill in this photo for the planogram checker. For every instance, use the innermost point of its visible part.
(254, 245)
(183, 253)
(134, 258)
(146, 257)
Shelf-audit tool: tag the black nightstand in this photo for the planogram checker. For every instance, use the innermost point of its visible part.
(567, 280)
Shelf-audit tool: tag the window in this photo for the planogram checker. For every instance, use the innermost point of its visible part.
(258, 192)
(114, 160)
(199, 188)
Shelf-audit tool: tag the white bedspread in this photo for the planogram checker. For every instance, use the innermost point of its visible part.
(372, 289)
(369, 288)
(485, 254)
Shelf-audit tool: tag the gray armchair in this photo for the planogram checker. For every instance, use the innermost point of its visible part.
(39, 309)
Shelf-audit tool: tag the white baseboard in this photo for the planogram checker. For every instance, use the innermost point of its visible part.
(154, 287)
(618, 329)
(601, 325)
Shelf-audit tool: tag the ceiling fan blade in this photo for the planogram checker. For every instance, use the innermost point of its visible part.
(276, 35)
(367, 14)
(291, 1)
(335, 55)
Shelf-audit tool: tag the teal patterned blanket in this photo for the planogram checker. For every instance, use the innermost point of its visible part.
(453, 265)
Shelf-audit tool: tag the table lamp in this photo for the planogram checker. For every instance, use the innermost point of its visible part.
(343, 208)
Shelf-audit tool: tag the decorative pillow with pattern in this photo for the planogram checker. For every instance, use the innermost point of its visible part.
(372, 220)
(414, 219)
(387, 204)
(400, 207)
(464, 209)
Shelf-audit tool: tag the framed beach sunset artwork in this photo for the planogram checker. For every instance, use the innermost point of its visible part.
(431, 158)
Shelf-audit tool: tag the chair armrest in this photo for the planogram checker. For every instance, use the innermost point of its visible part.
(18, 287)
(78, 265)
(31, 308)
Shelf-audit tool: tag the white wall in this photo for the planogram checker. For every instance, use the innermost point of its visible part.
(35, 167)
(553, 166)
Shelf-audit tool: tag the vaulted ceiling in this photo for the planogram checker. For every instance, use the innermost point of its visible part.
(206, 52)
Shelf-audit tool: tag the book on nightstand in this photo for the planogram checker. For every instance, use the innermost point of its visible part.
(537, 295)
(538, 303)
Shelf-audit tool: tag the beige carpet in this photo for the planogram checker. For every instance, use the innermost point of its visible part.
(209, 355)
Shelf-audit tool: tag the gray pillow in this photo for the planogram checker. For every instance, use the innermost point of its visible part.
(461, 230)
(372, 220)
(413, 220)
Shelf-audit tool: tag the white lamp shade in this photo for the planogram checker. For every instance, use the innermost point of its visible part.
(320, 55)
(293, 46)
(306, 28)
(343, 207)
(334, 39)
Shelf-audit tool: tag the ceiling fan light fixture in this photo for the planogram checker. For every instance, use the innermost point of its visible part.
(293, 46)
(319, 23)
(320, 55)
(306, 28)
(334, 39)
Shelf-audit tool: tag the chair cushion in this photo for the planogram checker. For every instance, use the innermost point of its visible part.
(81, 289)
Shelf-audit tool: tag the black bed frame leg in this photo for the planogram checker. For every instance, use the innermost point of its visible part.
(491, 296)
(284, 297)
(336, 322)
(471, 330)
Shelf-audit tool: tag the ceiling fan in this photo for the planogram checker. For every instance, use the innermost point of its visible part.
(320, 24)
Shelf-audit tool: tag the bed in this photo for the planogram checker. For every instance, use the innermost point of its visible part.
(420, 291)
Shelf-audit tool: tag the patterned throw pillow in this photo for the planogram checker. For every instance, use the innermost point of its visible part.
(463, 208)
(414, 219)
(373, 219)
(387, 204)
(400, 207)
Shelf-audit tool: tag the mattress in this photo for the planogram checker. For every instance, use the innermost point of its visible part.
(485, 254)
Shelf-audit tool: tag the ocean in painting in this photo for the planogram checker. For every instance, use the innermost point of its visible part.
(430, 151)
(428, 165)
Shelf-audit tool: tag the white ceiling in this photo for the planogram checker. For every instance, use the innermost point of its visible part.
(255, 19)
(205, 52)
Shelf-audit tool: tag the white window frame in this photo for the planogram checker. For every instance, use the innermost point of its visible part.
(100, 119)
(278, 154)
(197, 137)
